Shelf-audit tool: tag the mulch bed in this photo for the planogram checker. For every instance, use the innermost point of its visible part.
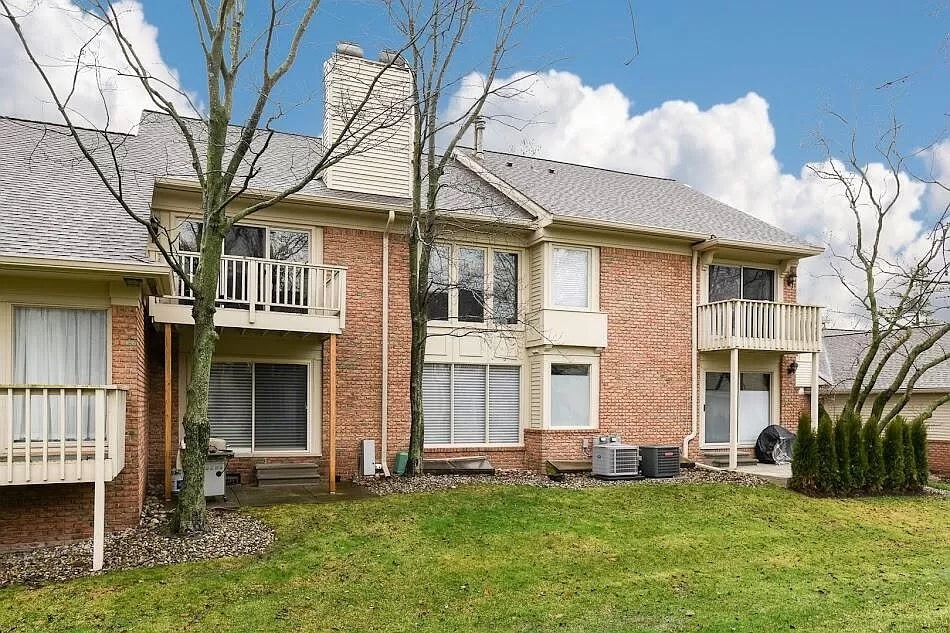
(231, 533)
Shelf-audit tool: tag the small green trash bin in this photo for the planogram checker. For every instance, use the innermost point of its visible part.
(402, 459)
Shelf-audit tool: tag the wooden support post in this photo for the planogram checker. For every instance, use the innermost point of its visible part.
(815, 359)
(99, 492)
(332, 417)
(168, 411)
(734, 408)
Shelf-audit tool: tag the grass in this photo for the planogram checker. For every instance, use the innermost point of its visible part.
(698, 557)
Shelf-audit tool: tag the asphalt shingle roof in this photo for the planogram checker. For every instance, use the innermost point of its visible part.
(578, 191)
(52, 203)
(842, 350)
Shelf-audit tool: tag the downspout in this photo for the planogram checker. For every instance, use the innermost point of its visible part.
(694, 359)
(384, 405)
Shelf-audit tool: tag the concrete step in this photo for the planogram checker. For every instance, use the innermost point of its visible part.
(287, 474)
(722, 460)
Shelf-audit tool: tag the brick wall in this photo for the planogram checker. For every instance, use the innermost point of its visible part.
(938, 456)
(156, 406)
(56, 513)
(645, 370)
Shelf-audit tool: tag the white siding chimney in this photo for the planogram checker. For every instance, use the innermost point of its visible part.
(381, 132)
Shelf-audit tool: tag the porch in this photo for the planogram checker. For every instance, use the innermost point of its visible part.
(64, 434)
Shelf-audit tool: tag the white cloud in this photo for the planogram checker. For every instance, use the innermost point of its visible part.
(57, 30)
(726, 151)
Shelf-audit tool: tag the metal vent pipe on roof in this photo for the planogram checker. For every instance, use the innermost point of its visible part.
(480, 137)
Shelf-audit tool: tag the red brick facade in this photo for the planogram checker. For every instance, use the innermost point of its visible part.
(938, 456)
(56, 513)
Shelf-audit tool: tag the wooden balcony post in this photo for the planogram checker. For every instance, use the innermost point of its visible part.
(814, 389)
(734, 408)
(99, 498)
(332, 417)
(168, 411)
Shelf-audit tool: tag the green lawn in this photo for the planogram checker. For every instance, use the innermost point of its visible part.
(699, 557)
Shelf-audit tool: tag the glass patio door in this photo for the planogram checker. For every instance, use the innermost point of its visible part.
(754, 406)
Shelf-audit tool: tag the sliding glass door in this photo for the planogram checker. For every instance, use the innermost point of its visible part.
(755, 406)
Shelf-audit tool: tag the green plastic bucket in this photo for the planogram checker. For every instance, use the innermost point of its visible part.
(402, 460)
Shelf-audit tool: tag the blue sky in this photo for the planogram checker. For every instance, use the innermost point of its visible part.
(802, 57)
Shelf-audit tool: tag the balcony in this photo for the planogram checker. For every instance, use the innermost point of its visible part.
(264, 294)
(759, 325)
(74, 431)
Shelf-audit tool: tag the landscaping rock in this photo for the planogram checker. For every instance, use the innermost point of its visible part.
(428, 483)
(230, 533)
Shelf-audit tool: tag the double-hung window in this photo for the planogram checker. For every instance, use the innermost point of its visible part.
(260, 407)
(741, 282)
(570, 277)
(469, 284)
(471, 404)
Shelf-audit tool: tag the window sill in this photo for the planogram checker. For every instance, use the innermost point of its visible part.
(478, 325)
(472, 447)
(269, 454)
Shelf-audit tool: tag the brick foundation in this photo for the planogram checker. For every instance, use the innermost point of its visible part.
(938, 456)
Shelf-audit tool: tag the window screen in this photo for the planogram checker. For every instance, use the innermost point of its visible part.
(471, 285)
(438, 304)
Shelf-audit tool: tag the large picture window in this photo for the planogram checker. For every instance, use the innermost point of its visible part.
(54, 346)
(570, 395)
(741, 282)
(473, 285)
(283, 245)
(260, 407)
(471, 404)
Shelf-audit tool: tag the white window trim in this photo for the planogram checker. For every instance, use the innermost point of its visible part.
(486, 444)
(775, 414)
(778, 280)
(593, 277)
(314, 413)
(580, 359)
(488, 287)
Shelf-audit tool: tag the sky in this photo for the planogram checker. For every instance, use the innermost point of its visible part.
(725, 96)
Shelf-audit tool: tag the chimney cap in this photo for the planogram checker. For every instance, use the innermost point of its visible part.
(349, 49)
(389, 56)
(480, 123)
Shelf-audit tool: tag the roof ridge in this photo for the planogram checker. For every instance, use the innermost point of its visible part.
(232, 125)
(63, 126)
(564, 162)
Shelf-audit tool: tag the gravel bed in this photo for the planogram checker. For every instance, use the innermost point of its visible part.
(426, 483)
(231, 533)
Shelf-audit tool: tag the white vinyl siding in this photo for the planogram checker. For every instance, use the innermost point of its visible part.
(570, 277)
(468, 405)
(260, 407)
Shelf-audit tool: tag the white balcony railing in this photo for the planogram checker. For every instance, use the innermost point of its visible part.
(759, 325)
(61, 433)
(267, 285)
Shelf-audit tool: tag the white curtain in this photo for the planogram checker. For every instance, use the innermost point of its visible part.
(54, 346)
(570, 395)
(569, 287)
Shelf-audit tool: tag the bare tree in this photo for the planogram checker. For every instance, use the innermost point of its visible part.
(896, 294)
(437, 30)
(225, 151)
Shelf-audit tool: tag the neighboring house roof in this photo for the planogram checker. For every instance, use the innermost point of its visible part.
(591, 193)
(53, 205)
(842, 351)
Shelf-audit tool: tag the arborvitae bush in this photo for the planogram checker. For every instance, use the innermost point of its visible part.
(804, 457)
(874, 451)
(894, 455)
(910, 464)
(843, 452)
(918, 436)
(826, 478)
(859, 455)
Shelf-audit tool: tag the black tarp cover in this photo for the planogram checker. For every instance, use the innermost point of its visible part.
(774, 445)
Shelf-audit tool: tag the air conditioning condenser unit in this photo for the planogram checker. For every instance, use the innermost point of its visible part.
(615, 460)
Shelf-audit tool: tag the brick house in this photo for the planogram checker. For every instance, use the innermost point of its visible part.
(568, 302)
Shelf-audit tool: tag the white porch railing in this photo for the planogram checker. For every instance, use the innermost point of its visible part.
(61, 433)
(271, 285)
(759, 325)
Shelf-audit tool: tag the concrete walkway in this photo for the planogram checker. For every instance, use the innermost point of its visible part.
(260, 496)
(778, 474)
